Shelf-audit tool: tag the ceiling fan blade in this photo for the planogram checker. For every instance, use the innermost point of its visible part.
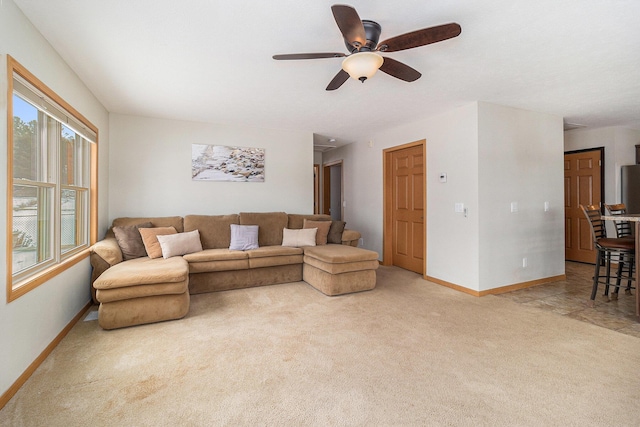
(399, 70)
(420, 37)
(350, 24)
(309, 55)
(338, 80)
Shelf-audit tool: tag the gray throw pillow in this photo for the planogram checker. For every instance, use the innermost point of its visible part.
(335, 232)
(130, 240)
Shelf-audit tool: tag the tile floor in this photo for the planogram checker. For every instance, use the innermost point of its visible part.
(569, 298)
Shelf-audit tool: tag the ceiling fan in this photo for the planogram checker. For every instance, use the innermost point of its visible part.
(361, 39)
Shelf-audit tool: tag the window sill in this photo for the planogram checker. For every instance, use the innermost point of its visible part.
(14, 292)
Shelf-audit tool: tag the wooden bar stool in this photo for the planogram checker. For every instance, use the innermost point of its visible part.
(622, 247)
(624, 229)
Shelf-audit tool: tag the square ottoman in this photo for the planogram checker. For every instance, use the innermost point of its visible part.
(339, 269)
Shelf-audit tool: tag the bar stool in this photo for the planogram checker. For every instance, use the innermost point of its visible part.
(624, 229)
(623, 248)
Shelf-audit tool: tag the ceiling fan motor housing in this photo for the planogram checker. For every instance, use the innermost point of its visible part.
(372, 31)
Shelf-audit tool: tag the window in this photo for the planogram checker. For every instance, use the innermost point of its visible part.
(52, 190)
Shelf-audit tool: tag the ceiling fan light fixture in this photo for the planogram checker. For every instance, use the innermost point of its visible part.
(362, 65)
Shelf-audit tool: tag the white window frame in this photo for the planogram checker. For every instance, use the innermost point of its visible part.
(53, 114)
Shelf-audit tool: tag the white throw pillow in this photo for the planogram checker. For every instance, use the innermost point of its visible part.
(243, 237)
(180, 243)
(298, 238)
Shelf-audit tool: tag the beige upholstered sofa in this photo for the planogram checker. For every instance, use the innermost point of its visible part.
(144, 290)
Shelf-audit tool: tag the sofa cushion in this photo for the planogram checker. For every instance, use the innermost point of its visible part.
(130, 241)
(323, 230)
(338, 254)
(217, 260)
(335, 232)
(243, 237)
(299, 238)
(270, 225)
(216, 255)
(215, 230)
(340, 259)
(150, 239)
(180, 243)
(141, 291)
(160, 221)
(270, 251)
(274, 261)
(296, 221)
(271, 256)
(143, 271)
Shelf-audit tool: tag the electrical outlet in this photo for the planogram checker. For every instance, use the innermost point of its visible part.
(361, 242)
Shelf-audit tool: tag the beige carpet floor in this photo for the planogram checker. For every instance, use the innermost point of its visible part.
(407, 353)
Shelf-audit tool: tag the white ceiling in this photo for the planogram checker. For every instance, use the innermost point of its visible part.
(208, 60)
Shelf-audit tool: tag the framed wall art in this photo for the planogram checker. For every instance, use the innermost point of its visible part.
(225, 163)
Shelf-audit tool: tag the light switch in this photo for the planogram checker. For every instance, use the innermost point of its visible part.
(514, 207)
(459, 207)
(443, 177)
(546, 206)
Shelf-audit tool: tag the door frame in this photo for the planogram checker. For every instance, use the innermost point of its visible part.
(387, 205)
(326, 187)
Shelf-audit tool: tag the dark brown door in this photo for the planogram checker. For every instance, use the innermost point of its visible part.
(326, 190)
(408, 208)
(582, 186)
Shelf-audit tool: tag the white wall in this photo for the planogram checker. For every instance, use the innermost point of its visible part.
(619, 149)
(452, 239)
(492, 155)
(32, 321)
(521, 160)
(150, 169)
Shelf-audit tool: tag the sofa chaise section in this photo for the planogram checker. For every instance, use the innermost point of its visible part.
(143, 290)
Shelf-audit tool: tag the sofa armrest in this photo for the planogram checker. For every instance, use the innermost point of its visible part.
(108, 250)
(104, 254)
(351, 237)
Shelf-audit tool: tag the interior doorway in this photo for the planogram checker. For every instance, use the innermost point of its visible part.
(584, 185)
(332, 189)
(316, 188)
(404, 234)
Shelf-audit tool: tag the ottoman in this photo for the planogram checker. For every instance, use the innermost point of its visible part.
(339, 269)
(143, 290)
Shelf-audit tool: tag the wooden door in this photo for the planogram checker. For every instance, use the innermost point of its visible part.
(407, 175)
(326, 190)
(582, 186)
(316, 188)
(332, 190)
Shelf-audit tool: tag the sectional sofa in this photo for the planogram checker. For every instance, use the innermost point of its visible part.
(134, 287)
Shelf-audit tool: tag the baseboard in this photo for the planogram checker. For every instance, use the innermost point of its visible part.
(452, 286)
(500, 290)
(7, 395)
